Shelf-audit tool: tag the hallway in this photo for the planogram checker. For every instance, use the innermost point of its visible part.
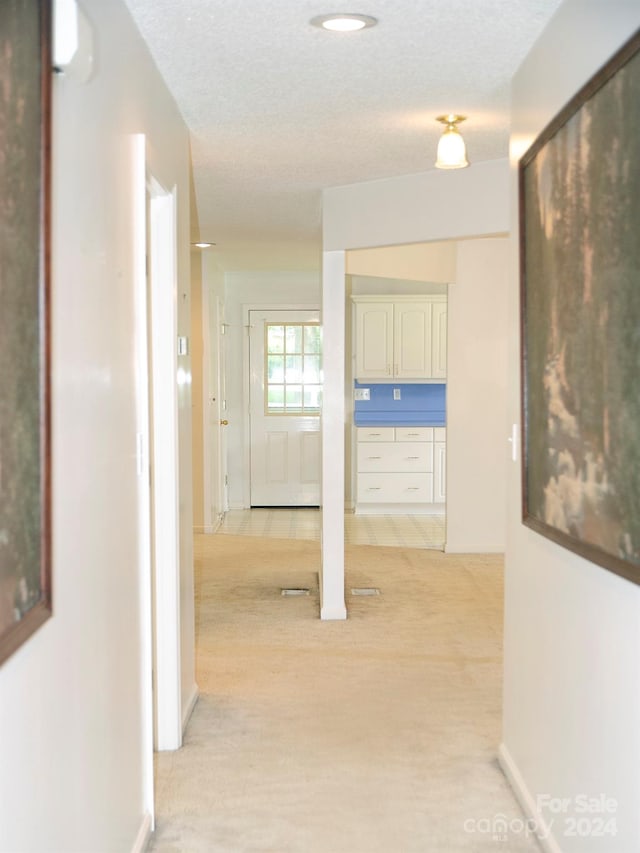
(373, 735)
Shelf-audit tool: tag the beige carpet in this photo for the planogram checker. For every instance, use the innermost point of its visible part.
(374, 735)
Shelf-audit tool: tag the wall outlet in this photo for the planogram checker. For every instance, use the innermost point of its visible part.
(362, 394)
(396, 393)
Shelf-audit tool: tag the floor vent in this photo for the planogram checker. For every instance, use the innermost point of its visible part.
(365, 590)
(296, 590)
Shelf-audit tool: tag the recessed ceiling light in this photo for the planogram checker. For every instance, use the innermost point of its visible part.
(203, 245)
(344, 22)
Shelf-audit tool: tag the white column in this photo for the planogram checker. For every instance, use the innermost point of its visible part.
(333, 414)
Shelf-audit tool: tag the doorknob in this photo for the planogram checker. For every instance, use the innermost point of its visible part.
(224, 423)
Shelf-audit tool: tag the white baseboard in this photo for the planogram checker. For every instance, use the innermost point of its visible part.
(191, 704)
(471, 548)
(527, 801)
(144, 835)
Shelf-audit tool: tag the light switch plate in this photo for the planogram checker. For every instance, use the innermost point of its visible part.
(362, 394)
(396, 393)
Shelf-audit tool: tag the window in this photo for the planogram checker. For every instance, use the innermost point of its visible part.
(294, 370)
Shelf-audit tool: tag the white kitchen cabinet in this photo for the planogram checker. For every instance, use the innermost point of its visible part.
(440, 465)
(374, 340)
(439, 340)
(396, 470)
(401, 338)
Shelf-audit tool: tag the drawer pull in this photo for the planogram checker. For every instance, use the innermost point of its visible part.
(413, 488)
(412, 457)
(373, 488)
(374, 457)
(413, 433)
(373, 433)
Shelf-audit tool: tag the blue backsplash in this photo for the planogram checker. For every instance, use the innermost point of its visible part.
(419, 405)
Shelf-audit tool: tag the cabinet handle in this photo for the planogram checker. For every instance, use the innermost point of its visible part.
(410, 458)
(388, 370)
(373, 488)
(413, 488)
(373, 433)
(374, 457)
(413, 433)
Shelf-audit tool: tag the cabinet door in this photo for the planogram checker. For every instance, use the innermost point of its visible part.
(440, 472)
(374, 340)
(439, 341)
(412, 340)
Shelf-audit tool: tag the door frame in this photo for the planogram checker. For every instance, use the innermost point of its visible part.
(246, 385)
(143, 427)
(213, 408)
(162, 296)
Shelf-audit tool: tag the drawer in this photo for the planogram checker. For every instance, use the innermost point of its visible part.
(414, 433)
(396, 456)
(440, 434)
(376, 433)
(395, 488)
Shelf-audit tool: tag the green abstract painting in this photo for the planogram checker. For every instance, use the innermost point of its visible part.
(580, 261)
(25, 588)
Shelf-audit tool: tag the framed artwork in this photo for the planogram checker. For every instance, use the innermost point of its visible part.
(580, 321)
(25, 438)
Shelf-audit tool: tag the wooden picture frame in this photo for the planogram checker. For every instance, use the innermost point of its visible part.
(579, 187)
(25, 419)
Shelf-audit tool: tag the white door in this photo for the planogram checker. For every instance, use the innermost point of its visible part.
(285, 363)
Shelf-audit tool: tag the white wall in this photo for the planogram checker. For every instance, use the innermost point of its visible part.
(477, 398)
(278, 289)
(572, 629)
(71, 767)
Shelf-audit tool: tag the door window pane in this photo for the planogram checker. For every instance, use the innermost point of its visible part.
(311, 369)
(275, 338)
(312, 338)
(293, 368)
(312, 396)
(294, 397)
(275, 397)
(275, 368)
(294, 338)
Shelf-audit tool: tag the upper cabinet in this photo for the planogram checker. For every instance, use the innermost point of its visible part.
(401, 337)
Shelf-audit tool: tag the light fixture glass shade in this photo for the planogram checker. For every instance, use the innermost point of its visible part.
(344, 22)
(452, 152)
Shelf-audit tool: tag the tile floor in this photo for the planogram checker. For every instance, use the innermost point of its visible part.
(409, 531)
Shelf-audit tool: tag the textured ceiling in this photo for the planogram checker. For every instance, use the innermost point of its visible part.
(278, 109)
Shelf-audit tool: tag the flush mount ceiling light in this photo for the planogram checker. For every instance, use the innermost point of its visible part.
(203, 245)
(344, 22)
(452, 152)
